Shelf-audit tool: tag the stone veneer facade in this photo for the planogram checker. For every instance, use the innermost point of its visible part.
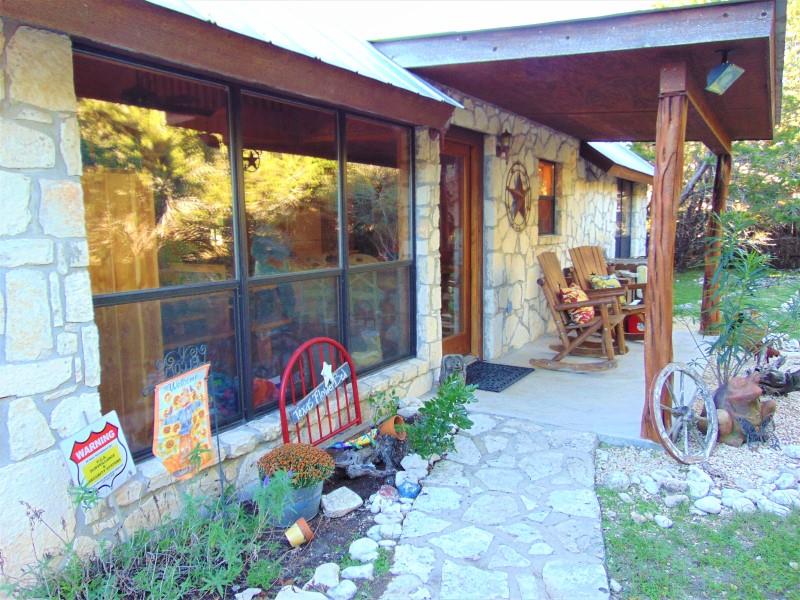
(514, 309)
(49, 356)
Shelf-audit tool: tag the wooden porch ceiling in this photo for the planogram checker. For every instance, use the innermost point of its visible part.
(598, 79)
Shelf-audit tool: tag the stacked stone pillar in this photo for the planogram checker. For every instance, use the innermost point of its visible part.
(49, 359)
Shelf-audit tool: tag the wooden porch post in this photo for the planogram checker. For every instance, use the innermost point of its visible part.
(673, 106)
(709, 316)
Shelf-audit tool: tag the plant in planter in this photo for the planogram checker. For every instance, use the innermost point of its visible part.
(744, 333)
(434, 430)
(384, 405)
(306, 467)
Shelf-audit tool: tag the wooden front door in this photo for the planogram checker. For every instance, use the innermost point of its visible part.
(460, 226)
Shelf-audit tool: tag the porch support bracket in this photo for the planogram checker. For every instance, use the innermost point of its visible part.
(673, 108)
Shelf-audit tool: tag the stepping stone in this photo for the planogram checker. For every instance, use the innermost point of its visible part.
(540, 549)
(495, 443)
(419, 524)
(491, 509)
(466, 452)
(480, 424)
(436, 499)
(463, 582)
(340, 502)
(543, 464)
(414, 560)
(359, 572)
(500, 480)
(576, 503)
(580, 536)
(574, 580)
(528, 587)
(469, 543)
(447, 473)
(506, 556)
(344, 591)
(364, 550)
(523, 533)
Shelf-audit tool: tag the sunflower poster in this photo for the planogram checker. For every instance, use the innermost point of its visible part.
(181, 427)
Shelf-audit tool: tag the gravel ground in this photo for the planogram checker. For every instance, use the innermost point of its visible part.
(728, 466)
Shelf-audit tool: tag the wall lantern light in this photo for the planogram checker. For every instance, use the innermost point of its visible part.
(503, 144)
(721, 77)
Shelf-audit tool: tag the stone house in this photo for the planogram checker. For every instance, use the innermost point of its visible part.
(396, 213)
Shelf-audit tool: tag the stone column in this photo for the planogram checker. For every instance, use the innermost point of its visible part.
(429, 287)
(49, 359)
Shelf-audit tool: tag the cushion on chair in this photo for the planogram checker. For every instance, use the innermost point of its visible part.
(606, 282)
(570, 295)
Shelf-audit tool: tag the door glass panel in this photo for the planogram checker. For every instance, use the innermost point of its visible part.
(378, 195)
(380, 316)
(283, 316)
(290, 181)
(156, 177)
(143, 343)
(452, 243)
(624, 215)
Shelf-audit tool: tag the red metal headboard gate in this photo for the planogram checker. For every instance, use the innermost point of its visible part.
(318, 418)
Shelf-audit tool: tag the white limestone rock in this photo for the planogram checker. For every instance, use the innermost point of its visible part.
(28, 432)
(364, 550)
(491, 509)
(417, 561)
(787, 498)
(469, 543)
(61, 211)
(344, 591)
(506, 556)
(768, 506)
(414, 461)
(419, 524)
(24, 147)
(463, 581)
(649, 485)
(14, 203)
(699, 482)
(618, 481)
(662, 521)
(292, 592)
(437, 499)
(340, 502)
(576, 503)
(786, 481)
(709, 504)
(325, 576)
(391, 531)
(364, 571)
(792, 451)
(571, 579)
(674, 500)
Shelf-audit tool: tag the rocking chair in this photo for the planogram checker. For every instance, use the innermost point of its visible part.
(592, 338)
(588, 261)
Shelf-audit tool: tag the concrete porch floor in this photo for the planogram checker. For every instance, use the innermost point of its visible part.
(608, 403)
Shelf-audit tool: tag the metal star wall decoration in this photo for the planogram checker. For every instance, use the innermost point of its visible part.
(518, 196)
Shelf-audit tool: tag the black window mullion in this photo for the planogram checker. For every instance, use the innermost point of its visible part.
(242, 260)
(344, 243)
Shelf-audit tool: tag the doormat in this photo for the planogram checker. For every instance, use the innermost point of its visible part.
(492, 377)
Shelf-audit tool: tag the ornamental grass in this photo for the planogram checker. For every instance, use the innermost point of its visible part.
(307, 465)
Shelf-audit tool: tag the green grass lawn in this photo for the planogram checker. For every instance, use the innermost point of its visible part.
(748, 556)
(778, 287)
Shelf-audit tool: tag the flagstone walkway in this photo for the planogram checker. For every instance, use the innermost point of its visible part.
(511, 514)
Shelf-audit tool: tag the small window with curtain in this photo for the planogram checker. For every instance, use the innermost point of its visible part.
(547, 197)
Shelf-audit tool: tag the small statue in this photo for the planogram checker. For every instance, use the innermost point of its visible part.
(742, 415)
(453, 364)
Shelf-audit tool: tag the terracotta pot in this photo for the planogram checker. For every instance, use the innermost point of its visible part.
(390, 427)
(299, 533)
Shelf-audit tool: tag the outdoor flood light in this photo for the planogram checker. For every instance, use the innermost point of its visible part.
(721, 77)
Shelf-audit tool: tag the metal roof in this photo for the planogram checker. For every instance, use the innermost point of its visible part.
(620, 154)
(331, 46)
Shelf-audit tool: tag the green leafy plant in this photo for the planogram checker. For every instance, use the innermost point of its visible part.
(273, 497)
(746, 325)
(83, 496)
(263, 573)
(434, 430)
(384, 404)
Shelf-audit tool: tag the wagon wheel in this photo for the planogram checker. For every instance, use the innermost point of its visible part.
(684, 414)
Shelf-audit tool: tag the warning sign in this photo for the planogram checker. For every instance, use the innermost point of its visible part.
(98, 455)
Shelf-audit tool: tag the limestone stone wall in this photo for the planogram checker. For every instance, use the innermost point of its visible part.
(49, 359)
(515, 312)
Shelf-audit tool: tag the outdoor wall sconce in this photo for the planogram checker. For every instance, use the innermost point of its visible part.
(721, 77)
(504, 144)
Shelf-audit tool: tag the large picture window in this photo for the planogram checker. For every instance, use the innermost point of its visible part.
(188, 267)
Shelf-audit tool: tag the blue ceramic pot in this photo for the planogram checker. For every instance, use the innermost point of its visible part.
(304, 503)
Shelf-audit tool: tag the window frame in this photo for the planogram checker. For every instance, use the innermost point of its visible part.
(552, 198)
(242, 282)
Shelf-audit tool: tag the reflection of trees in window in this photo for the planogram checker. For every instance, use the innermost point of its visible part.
(185, 172)
(372, 219)
(291, 212)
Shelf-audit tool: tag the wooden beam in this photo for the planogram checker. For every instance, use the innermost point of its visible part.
(718, 140)
(709, 315)
(673, 107)
(663, 28)
(143, 30)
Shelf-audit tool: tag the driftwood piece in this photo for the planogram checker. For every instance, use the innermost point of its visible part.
(779, 383)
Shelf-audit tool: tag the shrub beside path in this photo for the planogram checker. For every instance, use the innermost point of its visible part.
(512, 513)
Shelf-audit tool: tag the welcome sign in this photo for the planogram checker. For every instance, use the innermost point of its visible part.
(98, 456)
